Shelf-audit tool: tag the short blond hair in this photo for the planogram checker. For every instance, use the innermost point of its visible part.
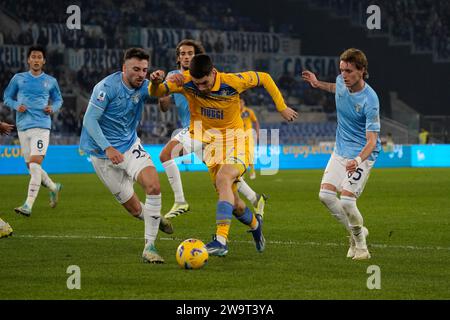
(357, 57)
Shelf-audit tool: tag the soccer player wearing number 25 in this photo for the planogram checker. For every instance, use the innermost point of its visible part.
(357, 145)
(28, 93)
(109, 136)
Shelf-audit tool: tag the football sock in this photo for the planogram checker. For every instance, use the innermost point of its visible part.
(173, 174)
(244, 188)
(329, 199)
(46, 181)
(247, 218)
(356, 220)
(152, 217)
(224, 214)
(35, 183)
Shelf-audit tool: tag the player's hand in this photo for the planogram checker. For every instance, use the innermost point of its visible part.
(21, 108)
(311, 78)
(177, 78)
(48, 110)
(289, 114)
(351, 166)
(114, 155)
(157, 76)
(6, 128)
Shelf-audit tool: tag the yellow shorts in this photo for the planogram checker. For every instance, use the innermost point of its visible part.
(217, 156)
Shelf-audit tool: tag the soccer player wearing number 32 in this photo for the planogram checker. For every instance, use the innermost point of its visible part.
(109, 136)
(357, 145)
(35, 96)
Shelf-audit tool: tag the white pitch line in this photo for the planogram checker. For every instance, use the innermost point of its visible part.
(289, 242)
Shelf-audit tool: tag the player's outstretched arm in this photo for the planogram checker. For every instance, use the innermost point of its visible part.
(310, 77)
(287, 113)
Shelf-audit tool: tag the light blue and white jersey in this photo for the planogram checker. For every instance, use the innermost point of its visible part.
(35, 93)
(356, 113)
(182, 106)
(112, 116)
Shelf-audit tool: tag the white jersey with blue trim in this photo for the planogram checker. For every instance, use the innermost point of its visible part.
(356, 113)
(121, 110)
(35, 93)
(184, 114)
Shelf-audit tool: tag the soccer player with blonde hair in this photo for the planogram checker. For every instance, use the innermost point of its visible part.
(357, 145)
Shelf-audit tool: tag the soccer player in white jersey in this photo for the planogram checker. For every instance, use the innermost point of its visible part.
(357, 145)
(109, 136)
(35, 96)
(182, 143)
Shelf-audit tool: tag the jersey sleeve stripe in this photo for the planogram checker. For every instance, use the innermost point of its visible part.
(96, 106)
(257, 76)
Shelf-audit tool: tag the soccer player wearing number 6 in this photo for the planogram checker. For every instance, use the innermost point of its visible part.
(35, 96)
(357, 145)
(214, 102)
(109, 136)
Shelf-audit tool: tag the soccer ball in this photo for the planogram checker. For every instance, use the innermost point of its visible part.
(192, 254)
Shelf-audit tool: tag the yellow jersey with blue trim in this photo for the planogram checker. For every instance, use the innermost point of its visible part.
(218, 111)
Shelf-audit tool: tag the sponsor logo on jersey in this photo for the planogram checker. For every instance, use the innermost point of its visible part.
(212, 113)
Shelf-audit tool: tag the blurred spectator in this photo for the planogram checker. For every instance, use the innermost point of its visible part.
(423, 136)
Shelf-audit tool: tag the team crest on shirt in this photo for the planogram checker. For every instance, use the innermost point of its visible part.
(46, 84)
(135, 98)
(101, 96)
(358, 107)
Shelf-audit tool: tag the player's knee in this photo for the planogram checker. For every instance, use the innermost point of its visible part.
(164, 155)
(327, 197)
(153, 189)
(223, 182)
(348, 203)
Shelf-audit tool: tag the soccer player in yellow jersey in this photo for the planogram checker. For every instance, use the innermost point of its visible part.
(216, 121)
(249, 118)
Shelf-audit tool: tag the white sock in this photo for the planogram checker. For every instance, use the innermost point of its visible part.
(248, 192)
(35, 183)
(221, 239)
(355, 219)
(152, 217)
(173, 174)
(46, 181)
(330, 200)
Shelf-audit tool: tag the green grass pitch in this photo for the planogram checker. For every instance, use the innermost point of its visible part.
(407, 212)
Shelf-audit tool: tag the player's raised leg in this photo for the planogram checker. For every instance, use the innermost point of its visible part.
(170, 151)
(257, 200)
(254, 221)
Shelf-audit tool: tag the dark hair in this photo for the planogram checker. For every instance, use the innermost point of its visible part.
(36, 48)
(357, 57)
(137, 53)
(201, 65)
(198, 48)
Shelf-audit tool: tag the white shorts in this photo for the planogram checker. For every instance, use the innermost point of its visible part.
(34, 142)
(120, 178)
(189, 145)
(336, 174)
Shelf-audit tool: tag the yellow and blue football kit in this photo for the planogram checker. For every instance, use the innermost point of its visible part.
(216, 122)
(216, 116)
